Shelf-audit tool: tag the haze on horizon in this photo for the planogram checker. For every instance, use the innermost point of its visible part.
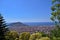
(26, 10)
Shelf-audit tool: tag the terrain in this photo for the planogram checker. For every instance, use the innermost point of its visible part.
(20, 27)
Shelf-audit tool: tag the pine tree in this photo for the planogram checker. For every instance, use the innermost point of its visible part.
(3, 28)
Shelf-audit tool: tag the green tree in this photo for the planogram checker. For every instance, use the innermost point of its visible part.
(55, 12)
(35, 36)
(12, 35)
(55, 34)
(3, 28)
(24, 36)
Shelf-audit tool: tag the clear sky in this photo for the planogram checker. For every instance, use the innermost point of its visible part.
(26, 10)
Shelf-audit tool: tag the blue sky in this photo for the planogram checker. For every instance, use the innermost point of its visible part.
(26, 10)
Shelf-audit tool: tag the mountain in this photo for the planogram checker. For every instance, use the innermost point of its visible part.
(21, 27)
(16, 24)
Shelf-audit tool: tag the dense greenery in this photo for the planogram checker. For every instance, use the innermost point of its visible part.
(13, 35)
(24, 36)
(3, 28)
(55, 34)
(35, 36)
(56, 12)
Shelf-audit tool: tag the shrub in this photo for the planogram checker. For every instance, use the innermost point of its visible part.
(24, 36)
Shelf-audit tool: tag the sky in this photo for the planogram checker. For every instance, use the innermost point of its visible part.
(26, 10)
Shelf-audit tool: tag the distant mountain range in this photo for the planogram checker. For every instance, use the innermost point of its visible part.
(24, 27)
(16, 24)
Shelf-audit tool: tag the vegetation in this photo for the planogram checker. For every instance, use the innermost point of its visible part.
(24, 36)
(35, 36)
(5, 34)
(3, 28)
(56, 12)
(12, 35)
(55, 34)
(44, 38)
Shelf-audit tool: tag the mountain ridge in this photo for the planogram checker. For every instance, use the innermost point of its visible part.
(18, 24)
(20, 27)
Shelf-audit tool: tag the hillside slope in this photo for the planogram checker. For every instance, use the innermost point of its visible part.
(20, 27)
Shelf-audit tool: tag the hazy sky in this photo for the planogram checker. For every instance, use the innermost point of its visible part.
(26, 10)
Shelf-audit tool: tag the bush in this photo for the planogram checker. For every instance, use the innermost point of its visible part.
(44, 38)
(11, 35)
(35, 36)
(24, 36)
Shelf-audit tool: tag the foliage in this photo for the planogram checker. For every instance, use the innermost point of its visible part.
(24, 36)
(44, 34)
(35, 36)
(44, 38)
(55, 34)
(56, 12)
(12, 35)
(3, 28)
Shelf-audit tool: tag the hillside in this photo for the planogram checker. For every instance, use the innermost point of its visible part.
(16, 24)
(20, 27)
